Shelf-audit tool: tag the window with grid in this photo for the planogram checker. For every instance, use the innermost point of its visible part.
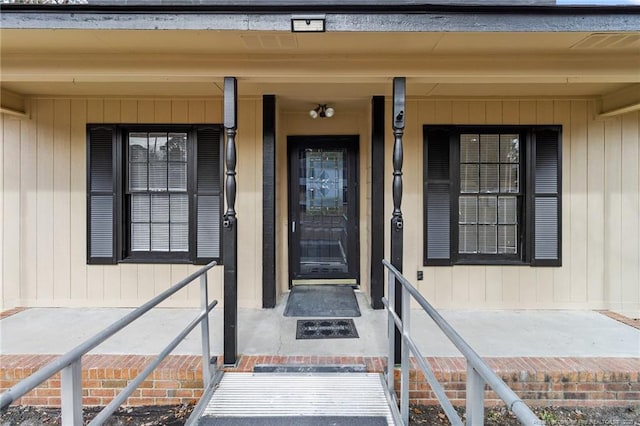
(489, 198)
(492, 195)
(154, 193)
(157, 192)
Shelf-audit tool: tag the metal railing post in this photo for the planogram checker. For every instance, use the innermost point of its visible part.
(391, 362)
(71, 394)
(204, 327)
(405, 332)
(475, 397)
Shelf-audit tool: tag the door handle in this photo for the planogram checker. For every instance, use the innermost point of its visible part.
(293, 227)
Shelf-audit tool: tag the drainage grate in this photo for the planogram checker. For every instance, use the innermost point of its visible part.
(326, 329)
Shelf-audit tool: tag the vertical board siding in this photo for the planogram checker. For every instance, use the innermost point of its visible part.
(10, 211)
(578, 201)
(595, 210)
(44, 207)
(62, 199)
(28, 207)
(630, 249)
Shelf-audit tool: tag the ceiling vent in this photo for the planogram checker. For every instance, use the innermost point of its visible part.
(608, 41)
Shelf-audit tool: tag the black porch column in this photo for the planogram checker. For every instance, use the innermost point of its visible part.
(230, 225)
(399, 92)
(377, 201)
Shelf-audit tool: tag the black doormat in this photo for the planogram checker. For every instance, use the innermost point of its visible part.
(326, 329)
(322, 301)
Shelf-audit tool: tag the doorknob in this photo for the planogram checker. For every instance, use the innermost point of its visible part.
(293, 227)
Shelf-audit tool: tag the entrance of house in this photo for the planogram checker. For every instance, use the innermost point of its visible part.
(323, 210)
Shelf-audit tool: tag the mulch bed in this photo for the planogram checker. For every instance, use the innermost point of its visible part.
(419, 415)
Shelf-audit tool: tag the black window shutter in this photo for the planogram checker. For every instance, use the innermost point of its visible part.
(208, 194)
(101, 194)
(546, 198)
(437, 197)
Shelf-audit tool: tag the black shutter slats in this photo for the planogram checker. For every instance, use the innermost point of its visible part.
(546, 225)
(101, 194)
(437, 198)
(208, 194)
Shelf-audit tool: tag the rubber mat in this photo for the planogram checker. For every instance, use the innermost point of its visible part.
(343, 328)
(322, 301)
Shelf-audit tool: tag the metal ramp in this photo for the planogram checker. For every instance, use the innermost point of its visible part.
(297, 399)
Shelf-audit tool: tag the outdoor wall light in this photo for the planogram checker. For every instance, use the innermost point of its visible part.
(322, 111)
(308, 24)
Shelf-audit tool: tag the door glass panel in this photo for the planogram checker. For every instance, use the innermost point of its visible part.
(323, 211)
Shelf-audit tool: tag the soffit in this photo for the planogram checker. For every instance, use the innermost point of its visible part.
(321, 67)
(252, 42)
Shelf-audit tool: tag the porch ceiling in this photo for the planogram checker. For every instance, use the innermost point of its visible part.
(303, 68)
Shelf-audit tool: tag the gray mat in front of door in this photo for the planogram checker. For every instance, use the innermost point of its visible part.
(322, 301)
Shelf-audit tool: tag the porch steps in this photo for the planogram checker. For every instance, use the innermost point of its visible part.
(298, 399)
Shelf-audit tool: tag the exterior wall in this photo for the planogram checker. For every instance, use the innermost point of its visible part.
(600, 211)
(43, 205)
(44, 209)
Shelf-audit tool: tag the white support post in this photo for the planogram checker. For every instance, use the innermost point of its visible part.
(204, 327)
(71, 394)
(475, 397)
(406, 366)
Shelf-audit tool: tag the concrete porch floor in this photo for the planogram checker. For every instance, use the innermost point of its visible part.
(268, 332)
(571, 358)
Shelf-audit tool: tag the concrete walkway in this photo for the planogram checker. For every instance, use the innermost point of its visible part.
(491, 333)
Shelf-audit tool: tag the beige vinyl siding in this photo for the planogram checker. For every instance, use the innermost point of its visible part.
(43, 204)
(601, 213)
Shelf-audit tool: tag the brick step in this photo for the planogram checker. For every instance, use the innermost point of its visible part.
(178, 380)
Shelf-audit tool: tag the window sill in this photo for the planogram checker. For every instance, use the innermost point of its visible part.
(158, 261)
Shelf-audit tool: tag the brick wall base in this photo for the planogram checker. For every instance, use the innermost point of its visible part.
(178, 380)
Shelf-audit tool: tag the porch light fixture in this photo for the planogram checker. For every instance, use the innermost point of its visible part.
(322, 111)
(308, 24)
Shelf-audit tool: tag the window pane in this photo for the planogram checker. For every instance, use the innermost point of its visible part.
(507, 241)
(487, 210)
(158, 176)
(178, 176)
(138, 146)
(137, 176)
(509, 149)
(489, 148)
(160, 236)
(507, 210)
(140, 237)
(158, 146)
(140, 208)
(160, 208)
(179, 208)
(487, 239)
(177, 147)
(469, 148)
(488, 178)
(179, 237)
(468, 207)
(469, 178)
(468, 239)
(509, 178)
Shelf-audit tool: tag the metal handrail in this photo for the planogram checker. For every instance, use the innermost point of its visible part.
(69, 364)
(478, 372)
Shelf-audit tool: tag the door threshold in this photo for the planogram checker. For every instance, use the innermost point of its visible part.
(345, 281)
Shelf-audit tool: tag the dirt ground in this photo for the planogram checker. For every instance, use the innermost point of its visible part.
(419, 415)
